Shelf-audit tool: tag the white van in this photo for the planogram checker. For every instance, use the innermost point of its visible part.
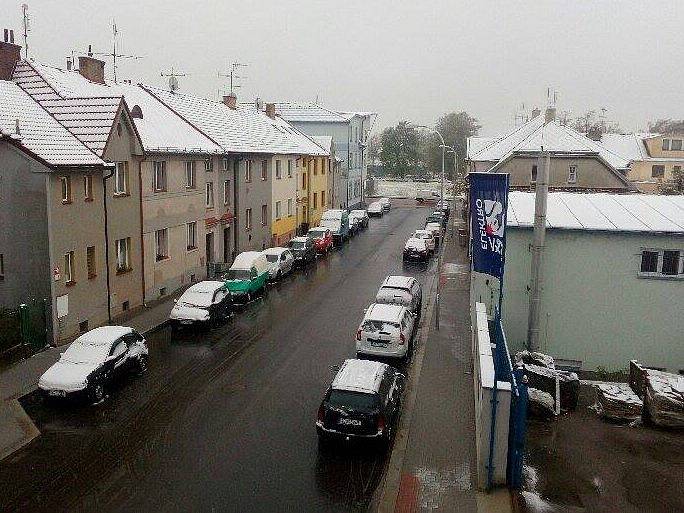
(248, 275)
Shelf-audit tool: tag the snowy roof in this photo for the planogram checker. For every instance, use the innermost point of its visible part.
(310, 111)
(324, 141)
(475, 144)
(242, 130)
(39, 132)
(359, 376)
(382, 312)
(274, 251)
(399, 282)
(85, 108)
(206, 286)
(601, 212)
(245, 260)
(103, 335)
(161, 129)
(554, 137)
(633, 148)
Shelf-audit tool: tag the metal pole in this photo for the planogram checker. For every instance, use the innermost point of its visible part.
(537, 248)
(439, 258)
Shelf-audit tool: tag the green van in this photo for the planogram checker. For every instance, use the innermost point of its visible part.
(247, 276)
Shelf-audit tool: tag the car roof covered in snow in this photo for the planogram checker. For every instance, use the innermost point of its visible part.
(246, 259)
(424, 232)
(103, 335)
(299, 239)
(414, 242)
(382, 312)
(398, 282)
(206, 286)
(359, 376)
(274, 251)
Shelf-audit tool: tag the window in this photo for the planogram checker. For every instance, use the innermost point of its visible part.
(264, 169)
(657, 171)
(121, 178)
(209, 196)
(264, 215)
(315, 200)
(224, 163)
(322, 198)
(192, 235)
(90, 262)
(278, 173)
(323, 161)
(190, 176)
(534, 173)
(248, 171)
(65, 182)
(159, 175)
(315, 166)
(572, 174)
(289, 207)
(248, 219)
(289, 168)
(676, 145)
(226, 192)
(2, 266)
(657, 262)
(123, 257)
(666, 144)
(277, 209)
(161, 242)
(208, 165)
(304, 181)
(88, 187)
(69, 276)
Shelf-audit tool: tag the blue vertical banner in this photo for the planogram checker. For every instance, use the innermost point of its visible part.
(488, 209)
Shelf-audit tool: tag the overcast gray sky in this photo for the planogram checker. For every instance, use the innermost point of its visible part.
(403, 59)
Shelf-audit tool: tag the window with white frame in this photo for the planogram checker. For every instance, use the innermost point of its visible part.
(208, 164)
(572, 174)
(278, 171)
(248, 219)
(666, 145)
(65, 184)
(289, 207)
(123, 254)
(676, 145)
(190, 175)
(277, 210)
(226, 192)
(264, 215)
(192, 235)
(209, 195)
(248, 171)
(264, 169)
(159, 175)
(225, 164)
(88, 187)
(161, 243)
(289, 168)
(661, 262)
(69, 276)
(121, 178)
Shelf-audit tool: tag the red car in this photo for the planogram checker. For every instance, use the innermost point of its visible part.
(322, 238)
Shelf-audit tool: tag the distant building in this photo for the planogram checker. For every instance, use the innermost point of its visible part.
(577, 162)
(613, 279)
(653, 158)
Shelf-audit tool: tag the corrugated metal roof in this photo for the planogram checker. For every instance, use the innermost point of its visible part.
(39, 132)
(601, 212)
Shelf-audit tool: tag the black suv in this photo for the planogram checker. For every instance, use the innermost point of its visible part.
(304, 250)
(363, 403)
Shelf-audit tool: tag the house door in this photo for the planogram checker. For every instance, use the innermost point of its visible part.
(210, 247)
(226, 244)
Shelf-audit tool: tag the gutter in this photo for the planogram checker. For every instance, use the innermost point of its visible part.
(106, 234)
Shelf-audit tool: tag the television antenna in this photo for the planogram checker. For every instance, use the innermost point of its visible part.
(27, 28)
(173, 79)
(232, 75)
(114, 55)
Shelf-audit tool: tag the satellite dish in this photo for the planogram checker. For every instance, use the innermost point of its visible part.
(173, 83)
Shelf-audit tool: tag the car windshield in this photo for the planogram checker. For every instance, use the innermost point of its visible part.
(238, 274)
(372, 326)
(85, 353)
(357, 401)
(272, 258)
(298, 245)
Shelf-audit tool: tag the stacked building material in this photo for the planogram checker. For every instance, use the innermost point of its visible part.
(544, 378)
(534, 358)
(540, 404)
(665, 398)
(617, 401)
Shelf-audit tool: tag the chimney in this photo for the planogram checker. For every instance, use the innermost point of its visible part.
(535, 112)
(230, 101)
(270, 110)
(550, 114)
(91, 68)
(10, 54)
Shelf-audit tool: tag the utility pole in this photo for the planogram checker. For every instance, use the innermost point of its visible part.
(537, 248)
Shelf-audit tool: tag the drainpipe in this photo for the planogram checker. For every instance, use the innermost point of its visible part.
(537, 249)
(142, 239)
(106, 234)
(236, 228)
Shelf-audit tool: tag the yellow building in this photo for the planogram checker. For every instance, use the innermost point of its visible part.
(314, 188)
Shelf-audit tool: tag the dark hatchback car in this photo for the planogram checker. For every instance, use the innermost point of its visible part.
(437, 217)
(304, 250)
(362, 403)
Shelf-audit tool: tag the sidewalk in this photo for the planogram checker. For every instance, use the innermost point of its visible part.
(16, 428)
(438, 467)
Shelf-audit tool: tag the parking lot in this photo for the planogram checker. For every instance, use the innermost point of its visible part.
(224, 420)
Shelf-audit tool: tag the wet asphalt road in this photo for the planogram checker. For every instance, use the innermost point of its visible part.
(224, 420)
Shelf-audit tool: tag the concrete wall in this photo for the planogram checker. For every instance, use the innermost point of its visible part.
(595, 307)
(23, 236)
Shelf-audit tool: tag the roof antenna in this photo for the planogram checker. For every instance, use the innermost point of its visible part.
(173, 79)
(27, 28)
(232, 76)
(114, 54)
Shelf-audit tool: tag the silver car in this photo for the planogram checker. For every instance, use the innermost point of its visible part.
(280, 262)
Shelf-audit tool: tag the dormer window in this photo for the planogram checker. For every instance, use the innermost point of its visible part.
(136, 112)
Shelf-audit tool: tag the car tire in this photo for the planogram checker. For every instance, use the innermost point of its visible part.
(97, 393)
(142, 364)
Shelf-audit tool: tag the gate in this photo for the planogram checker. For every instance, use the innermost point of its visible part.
(23, 330)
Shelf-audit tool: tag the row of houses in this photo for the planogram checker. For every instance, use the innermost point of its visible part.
(116, 194)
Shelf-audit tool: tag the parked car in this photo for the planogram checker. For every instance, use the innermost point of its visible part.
(386, 204)
(401, 290)
(436, 228)
(280, 262)
(416, 249)
(338, 222)
(247, 276)
(423, 194)
(93, 361)
(322, 239)
(304, 250)
(437, 217)
(386, 331)
(362, 215)
(203, 303)
(362, 403)
(443, 205)
(428, 237)
(375, 209)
